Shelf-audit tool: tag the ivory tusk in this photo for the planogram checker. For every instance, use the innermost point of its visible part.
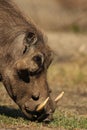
(59, 97)
(41, 106)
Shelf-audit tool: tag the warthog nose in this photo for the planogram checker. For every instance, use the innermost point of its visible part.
(39, 59)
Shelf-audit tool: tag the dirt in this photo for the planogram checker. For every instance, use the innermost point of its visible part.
(32, 128)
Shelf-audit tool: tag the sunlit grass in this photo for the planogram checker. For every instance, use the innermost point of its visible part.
(68, 121)
(61, 119)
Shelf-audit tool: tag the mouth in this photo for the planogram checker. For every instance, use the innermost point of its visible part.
(38, 116)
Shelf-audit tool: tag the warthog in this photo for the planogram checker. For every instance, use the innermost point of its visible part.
(24, 59)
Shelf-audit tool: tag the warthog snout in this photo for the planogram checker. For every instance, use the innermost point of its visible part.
(39, 110)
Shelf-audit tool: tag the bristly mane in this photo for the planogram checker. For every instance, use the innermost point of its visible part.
(12, 21)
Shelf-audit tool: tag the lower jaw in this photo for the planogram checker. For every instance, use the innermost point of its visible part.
(43, 118)
(39, 118)
(46, 118)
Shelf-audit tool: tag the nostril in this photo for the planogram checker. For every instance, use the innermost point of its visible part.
(38, 59)
(35, 97)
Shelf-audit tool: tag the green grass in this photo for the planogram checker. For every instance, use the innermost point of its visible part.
(69, 121)
(12, 118)
(75, 28)
(16, 121)
(61, 119)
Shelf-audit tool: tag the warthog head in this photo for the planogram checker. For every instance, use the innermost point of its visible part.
(24, 60)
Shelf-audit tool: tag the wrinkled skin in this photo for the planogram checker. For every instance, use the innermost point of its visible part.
(24, 60)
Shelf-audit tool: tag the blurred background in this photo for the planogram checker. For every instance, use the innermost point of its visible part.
(65, 21)
(57, 15)
(65, 24)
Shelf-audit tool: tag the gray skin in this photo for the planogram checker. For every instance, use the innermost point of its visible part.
(24, 60)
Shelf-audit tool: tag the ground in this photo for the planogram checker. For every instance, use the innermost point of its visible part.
(67, 73)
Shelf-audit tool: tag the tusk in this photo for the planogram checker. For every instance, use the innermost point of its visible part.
(41, 106)
(59, 97)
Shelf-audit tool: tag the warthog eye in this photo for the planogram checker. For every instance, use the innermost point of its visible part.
(31, 38)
